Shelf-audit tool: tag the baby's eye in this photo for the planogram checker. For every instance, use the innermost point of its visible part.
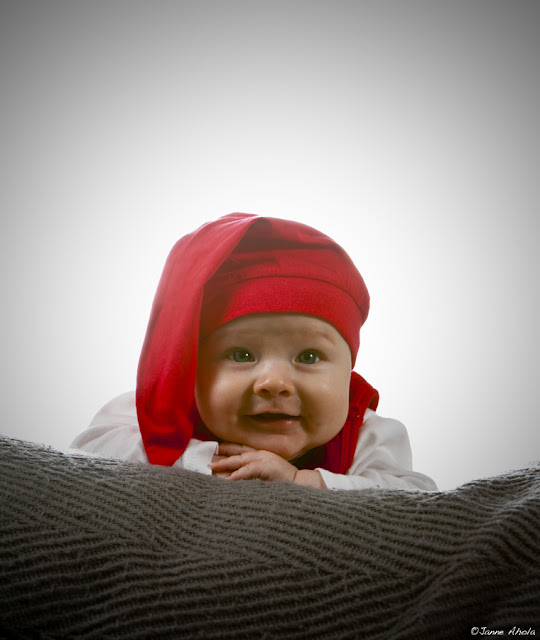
(308, 357)
(241, 355)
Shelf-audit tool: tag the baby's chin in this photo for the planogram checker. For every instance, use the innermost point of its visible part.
(286, 450)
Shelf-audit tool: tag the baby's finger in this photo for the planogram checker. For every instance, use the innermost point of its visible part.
(230, 463)
(221, 474)
(248, 471)
(233, 448)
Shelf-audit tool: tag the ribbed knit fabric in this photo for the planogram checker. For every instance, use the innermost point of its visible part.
(92, 548)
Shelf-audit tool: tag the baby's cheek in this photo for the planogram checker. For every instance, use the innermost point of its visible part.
(338, 410)
(210, 394)
(338, 396)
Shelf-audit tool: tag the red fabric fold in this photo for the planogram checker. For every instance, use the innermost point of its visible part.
(168, 360)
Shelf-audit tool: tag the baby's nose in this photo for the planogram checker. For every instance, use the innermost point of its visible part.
(274, 380)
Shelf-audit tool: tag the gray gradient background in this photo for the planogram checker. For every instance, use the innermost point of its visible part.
(406, 130)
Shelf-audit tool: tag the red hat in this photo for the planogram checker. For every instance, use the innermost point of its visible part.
(237, 265)
(284, 266)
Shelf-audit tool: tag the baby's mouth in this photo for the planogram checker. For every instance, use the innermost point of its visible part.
(274, 423)
(269, 417)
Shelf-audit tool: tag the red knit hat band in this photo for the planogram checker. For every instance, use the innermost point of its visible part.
(283, 294)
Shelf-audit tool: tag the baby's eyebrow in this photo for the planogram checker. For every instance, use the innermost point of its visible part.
(318, 334)
(239, 336)
(233, 341)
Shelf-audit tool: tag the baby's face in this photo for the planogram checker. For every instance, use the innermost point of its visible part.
(274, 381)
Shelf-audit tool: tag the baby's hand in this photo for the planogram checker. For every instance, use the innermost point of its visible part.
(241, 462)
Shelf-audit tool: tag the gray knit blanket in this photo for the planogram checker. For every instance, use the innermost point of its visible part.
(94, 548)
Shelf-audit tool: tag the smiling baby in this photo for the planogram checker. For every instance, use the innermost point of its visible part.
(247, 366)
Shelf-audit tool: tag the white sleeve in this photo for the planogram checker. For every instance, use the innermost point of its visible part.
(382, 459)
(114, 433)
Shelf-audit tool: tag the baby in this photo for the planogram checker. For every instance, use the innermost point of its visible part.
(246, 368)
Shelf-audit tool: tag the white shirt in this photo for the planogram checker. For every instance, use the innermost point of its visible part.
(382, 458)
